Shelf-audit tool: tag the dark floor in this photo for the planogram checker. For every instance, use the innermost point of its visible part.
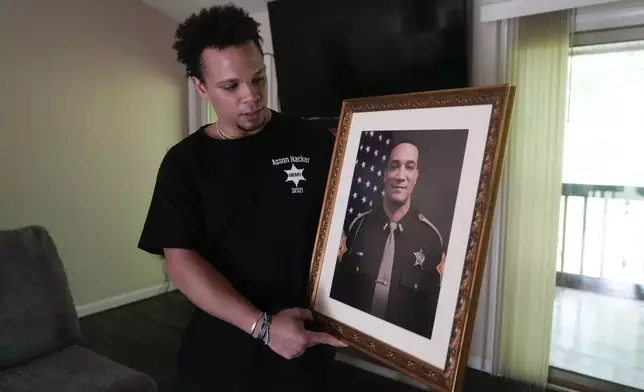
(146, 335)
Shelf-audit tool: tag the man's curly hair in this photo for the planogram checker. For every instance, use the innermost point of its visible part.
(217, 27)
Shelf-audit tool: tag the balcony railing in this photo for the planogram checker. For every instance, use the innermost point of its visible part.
(601, 239)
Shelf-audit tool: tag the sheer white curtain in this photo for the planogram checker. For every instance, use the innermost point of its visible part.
(537, 63)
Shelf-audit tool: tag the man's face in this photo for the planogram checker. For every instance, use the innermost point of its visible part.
(401, 174)
(235, 84)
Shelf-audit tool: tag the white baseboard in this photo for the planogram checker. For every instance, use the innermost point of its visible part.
(123, 299)
(479, 363)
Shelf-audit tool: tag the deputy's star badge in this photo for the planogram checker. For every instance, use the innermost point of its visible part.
(420, 259)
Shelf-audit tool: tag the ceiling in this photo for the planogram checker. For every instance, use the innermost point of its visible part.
(181, 9)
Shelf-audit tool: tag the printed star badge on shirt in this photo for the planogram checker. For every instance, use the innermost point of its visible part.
(294, 174)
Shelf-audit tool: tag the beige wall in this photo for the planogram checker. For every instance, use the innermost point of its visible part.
(91, 97)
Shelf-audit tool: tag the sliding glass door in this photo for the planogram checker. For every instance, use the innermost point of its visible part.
(598, 324)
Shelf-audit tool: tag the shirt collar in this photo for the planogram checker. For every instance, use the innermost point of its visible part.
(402, 224)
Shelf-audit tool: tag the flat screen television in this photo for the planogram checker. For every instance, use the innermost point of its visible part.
(330, 50)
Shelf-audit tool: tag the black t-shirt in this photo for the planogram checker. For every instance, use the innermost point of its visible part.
(250, 207)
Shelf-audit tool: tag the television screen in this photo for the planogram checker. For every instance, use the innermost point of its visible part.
(330, 50)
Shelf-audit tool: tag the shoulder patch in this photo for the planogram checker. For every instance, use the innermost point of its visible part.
(357, 218)
(426, 221)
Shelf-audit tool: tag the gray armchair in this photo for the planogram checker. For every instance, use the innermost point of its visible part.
(41, 347)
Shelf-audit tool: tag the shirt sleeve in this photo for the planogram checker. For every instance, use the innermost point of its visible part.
(174, 219)
(325, 135)
(329, 139)
(327, 142)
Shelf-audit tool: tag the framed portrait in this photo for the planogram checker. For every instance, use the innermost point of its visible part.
(405, 225)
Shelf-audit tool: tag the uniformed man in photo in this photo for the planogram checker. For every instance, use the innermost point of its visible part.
(391, 262)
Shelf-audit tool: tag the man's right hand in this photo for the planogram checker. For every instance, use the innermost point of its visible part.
(290, 339)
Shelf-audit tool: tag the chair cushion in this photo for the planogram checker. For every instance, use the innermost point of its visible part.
(74, 368)
(37, 313)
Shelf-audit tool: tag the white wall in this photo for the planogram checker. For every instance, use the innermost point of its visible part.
(264, 29)
(485, 52)
(485, 70)
(624, 14)
(92, 96)
(494, 10)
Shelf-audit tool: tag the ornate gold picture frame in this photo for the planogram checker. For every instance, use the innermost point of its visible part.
(405, 225)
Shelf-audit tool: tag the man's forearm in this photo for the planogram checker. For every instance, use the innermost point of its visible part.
(208, 289)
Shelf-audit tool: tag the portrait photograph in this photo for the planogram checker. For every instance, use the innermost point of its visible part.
(397, 224)
(403, 235)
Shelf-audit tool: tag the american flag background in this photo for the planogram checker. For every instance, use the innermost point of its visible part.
(367, 187)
